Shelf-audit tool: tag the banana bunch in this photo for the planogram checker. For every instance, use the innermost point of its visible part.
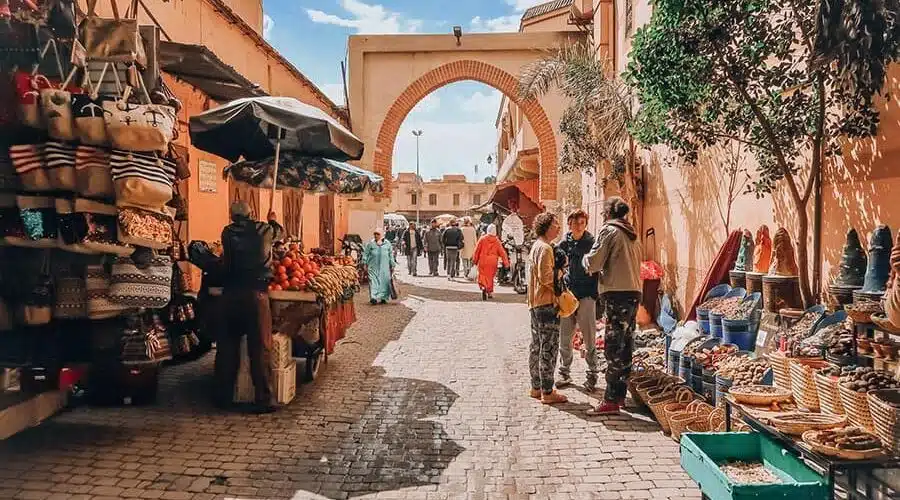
(331, 282)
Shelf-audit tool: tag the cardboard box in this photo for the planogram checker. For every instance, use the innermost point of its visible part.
(281, 351)
(285, 382)
(284, 379)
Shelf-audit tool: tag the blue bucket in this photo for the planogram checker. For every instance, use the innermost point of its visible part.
(674, 362)
(697, 384)
(685, 373)
(717, 291)
(722, 386)
(709, 392)
(704, 325)
(715, 324)
(739, 332)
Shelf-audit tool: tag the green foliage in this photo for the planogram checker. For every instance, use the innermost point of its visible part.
(490, 179)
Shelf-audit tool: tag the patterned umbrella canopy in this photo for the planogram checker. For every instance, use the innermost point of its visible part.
(307, 173)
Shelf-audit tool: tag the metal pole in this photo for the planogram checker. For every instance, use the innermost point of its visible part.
(275, 172)
(418, 134)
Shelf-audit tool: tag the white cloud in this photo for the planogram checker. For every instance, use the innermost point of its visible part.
(268, 24)
(521, 5)
(496, 24)
(483, 104)
(367, 18)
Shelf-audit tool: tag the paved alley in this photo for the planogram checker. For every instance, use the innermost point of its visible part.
(425, 398)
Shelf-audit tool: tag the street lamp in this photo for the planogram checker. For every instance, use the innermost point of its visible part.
(418, 134)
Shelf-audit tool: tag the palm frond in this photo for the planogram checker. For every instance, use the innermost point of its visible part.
(537, 78)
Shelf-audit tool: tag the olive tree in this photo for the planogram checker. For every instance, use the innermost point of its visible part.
(788, 78)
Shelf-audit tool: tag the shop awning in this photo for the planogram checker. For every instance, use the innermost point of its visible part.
(199, 66)
(523, 192)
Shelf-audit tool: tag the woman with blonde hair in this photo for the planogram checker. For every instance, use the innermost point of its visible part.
(487, 253)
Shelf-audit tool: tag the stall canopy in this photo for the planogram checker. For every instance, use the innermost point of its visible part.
(306, 173)
(252, 128)
(519, 195)
(199, 66)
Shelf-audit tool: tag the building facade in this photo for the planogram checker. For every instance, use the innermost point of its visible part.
(213, 51)
(452, 194)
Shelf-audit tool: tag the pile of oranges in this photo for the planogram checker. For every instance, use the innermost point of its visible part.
(293, 270)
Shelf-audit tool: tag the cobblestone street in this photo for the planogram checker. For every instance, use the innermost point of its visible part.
(425, 398)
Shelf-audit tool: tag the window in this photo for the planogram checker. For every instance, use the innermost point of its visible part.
(414, 199)
(476, 199)
(456, 199)
(432, 199)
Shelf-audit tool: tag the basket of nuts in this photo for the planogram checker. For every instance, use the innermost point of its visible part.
(861, 311)
(854, 388)
(827, 386)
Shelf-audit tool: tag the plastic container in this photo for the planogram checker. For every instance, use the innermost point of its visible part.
(715, 324)
(702, 454)
(674, 363)
(697, 383)
(703, 314)
(709, 392)
(722, 386)
(684, 372)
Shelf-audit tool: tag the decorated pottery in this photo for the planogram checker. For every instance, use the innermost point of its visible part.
(762, 250)
(784, 263)
(745, 256)
(852, 271)
(879, 267)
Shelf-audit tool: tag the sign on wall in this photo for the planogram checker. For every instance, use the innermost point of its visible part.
(208, 176)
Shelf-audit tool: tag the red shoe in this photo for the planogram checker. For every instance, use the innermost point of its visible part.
(605, 408)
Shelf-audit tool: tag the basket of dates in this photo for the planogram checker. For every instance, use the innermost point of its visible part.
(854, 387)
(850, 443)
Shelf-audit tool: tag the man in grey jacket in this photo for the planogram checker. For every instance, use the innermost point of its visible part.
(433, 247)
(617, 255)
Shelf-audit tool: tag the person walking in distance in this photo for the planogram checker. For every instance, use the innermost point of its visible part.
(412, 247)
(433, 247)
(616, 255)
(488, 252)
(468, 251)
(575, 245)
(247, 263)
(542, 303)
(453, 242)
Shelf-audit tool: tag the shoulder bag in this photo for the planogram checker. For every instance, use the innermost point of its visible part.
(142, 179)
(144, 127)
(93, 175)
(28, 160)
(134, 286)
(40, 225)
(112, 40)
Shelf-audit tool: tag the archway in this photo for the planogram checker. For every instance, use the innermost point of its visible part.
(476, 71)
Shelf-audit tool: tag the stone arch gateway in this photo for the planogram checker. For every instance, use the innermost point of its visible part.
(390, 74)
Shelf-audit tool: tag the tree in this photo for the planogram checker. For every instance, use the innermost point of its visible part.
(730, 175)
(788, 78)
(490, 179)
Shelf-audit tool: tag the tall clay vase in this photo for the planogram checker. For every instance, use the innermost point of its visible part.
(745, 256)
(851, 272)
(762, 250)
(784, 261)
(879, 266)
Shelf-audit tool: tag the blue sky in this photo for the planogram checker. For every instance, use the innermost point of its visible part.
(457, 120)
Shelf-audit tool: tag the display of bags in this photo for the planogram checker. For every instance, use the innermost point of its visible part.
(39, 222)
(93, 175)
(101, 228)
(145, 228)
(56, 109)
(139, 127)
(87, 109)
(37, 305)
(149, 286)
(28, 159)
(9, 181)
(112, 40)
(59, 160)
(99, 303)
(142, 179)
(143, 343)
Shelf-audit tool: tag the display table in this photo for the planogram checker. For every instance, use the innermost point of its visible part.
(853, 476)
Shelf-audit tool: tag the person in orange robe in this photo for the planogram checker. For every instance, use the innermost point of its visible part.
(488, 251)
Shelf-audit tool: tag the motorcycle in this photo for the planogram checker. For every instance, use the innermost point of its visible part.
(515, 275)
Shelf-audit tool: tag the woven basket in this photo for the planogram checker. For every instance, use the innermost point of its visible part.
(856, 406)
(643, 388)
(803, 386)
(798, 428)
(633, 383)
(781, 369)
(716, 418)
(829, 395)
(886, 419)
(658, 403)
(681, 421)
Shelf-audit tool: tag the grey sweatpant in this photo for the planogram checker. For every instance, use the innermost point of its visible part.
(452, 261)
(586, 318)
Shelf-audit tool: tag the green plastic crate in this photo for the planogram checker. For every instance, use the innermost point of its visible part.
(701, 455)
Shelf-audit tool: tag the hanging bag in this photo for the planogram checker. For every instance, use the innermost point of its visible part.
(37, 307)
(87, 109)
(112, 40)
(93, 175)
(99, 304)
(56, 109)
(71, 290)
(144, 127)
(102, 233)
(145, 228)
(59, 160)
(142, 179)
(41, 228)
(149, 286)
(28, 160)
(72, 228)
(9, 181)
(29, 86)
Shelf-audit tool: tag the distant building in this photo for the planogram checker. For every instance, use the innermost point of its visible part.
(451, 194)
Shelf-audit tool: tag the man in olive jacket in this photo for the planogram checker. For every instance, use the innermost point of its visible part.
(433, 246)
(616, 255)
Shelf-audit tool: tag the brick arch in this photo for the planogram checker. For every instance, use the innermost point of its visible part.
(480, 72)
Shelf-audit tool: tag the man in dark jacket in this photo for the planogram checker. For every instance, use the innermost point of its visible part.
(412, 247)
(453, 240)
(433, 247)
(247, 259)
(576, 244)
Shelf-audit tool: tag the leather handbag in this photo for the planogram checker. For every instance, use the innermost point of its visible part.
(93, 175)
(116, 40)
(142, 180)
(59, 160)
(145, 228)
(149, 286)
(28, 160)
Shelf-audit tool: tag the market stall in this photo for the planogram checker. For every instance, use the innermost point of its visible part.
(813, 394)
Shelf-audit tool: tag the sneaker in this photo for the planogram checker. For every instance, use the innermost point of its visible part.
(605, 408)
(553, 398)
(590, 388)
(534, 393)
(563, 381)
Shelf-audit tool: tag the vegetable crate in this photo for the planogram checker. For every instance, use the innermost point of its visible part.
(701, 455)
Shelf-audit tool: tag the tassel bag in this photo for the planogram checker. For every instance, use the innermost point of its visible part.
(144, 127)
(101, 228)
(93, 174)
(142, 180)
(145, 228)
(59, 160)
(134, 286)
(99, 304)
(40, 225)
(144, 344)
(28, 160)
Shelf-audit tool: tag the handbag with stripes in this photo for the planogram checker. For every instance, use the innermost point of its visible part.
(59, 158)
(93, 177)
(28, 159)
(143, 180)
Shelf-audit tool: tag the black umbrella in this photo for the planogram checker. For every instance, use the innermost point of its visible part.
(250, 128)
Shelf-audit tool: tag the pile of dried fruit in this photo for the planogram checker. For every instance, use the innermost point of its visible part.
(800, 330)
(711, 303)
(751, 373)
(743, 310)
(836, 371)
(710, 358)
(649, 357)
(848, 438)
(691, 348)
(841, 344)
(727, 307)
(749, 472)
(865, 379)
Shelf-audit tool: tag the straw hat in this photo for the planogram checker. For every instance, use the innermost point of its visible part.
(568, 304)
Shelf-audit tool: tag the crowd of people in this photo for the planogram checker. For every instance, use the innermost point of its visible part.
(575, 279)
